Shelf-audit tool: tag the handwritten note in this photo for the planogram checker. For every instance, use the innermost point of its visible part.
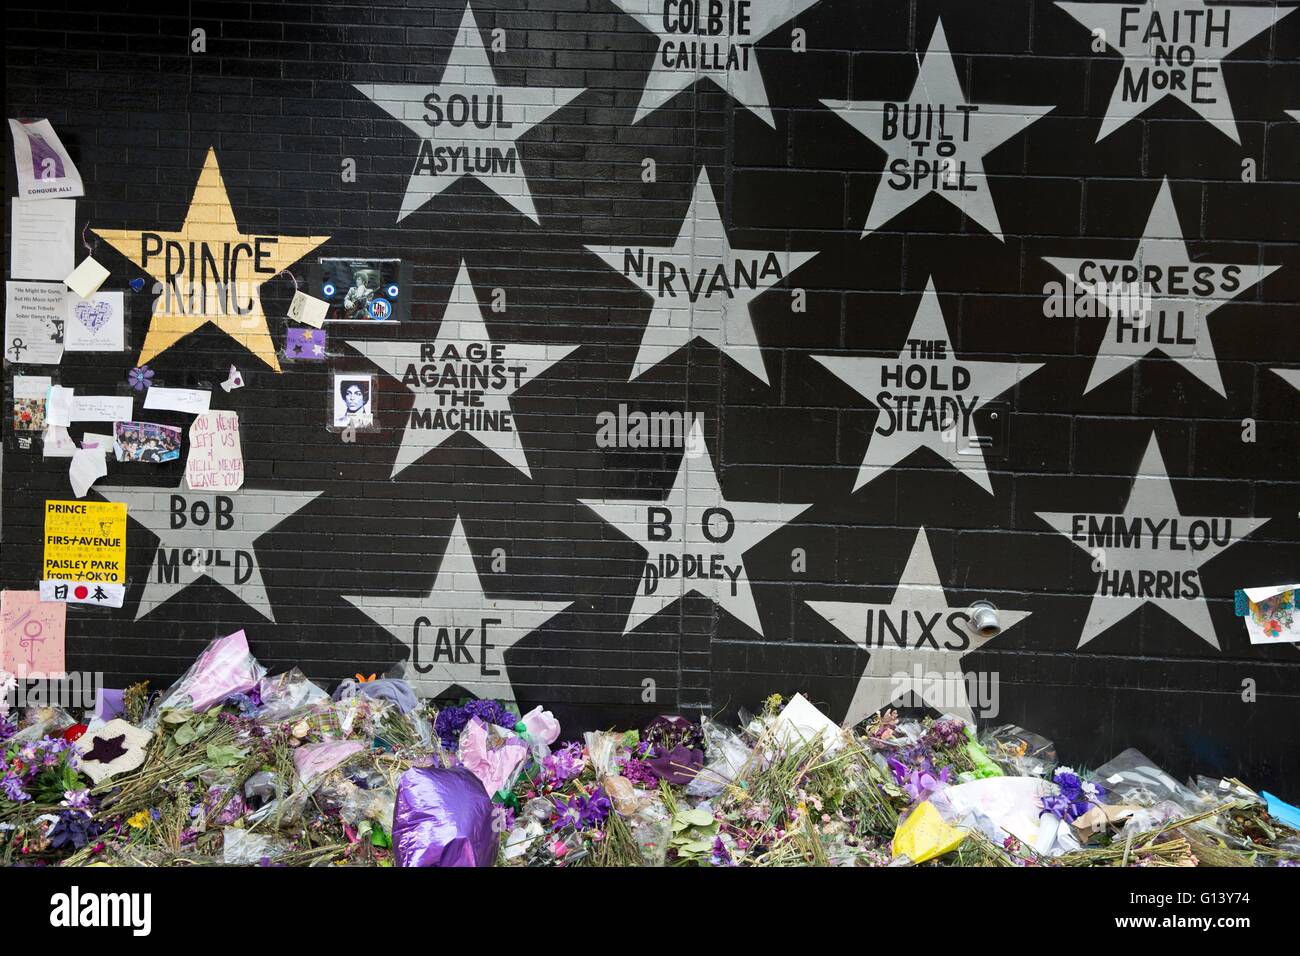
(195, 401)
(100, 408)
(216, 462)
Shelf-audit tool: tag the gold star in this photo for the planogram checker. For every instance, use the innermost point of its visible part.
(209, 271)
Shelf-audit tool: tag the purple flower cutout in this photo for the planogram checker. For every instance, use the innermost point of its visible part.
(140, 378)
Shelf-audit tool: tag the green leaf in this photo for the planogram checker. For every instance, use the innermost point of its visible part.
(226, 756)
(698, 817)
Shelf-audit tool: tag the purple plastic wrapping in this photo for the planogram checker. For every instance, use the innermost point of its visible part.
(443, 817)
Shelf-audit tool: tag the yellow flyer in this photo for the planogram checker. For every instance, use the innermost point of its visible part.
(85, 541)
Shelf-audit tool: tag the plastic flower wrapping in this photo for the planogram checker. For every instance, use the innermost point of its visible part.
(242, 768)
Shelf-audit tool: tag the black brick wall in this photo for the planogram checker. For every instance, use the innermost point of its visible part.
(273, 95)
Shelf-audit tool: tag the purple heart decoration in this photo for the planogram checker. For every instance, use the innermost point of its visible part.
(93, 315)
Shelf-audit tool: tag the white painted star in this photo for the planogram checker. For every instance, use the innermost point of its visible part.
(468, 124)
(1162, 303)
(927, 396)
(701, 286)
(916, 641)
(1289, 375)
(1172, 48)
(216, 539)
(695, 519)
(935, 116)
(725, 53)
(462, 377)
(1153, 546)
(457, 635)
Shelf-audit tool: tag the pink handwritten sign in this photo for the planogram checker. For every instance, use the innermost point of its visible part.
(31, 634)
(216, 462)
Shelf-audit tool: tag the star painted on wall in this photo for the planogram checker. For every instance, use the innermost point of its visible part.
(727, 57)
(1199, 35)
(457, 636)
(1289, 375)
(695, 519)
(708, 292)
(1145, 316)
(917, 641)
(468, 123)
(1152, 540)
(184, 308)
(224, 555)
(936, 115)
(462, 330)
(927, 396)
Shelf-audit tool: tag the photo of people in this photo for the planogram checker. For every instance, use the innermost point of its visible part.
(30, 392)
(352, 405)
(145, 441)
(360, 290)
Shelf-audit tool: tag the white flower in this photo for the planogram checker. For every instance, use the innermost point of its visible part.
(1090, 790)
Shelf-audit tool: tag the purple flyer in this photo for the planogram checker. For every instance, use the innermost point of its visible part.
(305, 344)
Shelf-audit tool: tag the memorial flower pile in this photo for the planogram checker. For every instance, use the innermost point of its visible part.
(277, 772)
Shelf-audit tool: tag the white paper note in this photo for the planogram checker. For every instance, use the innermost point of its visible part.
(35, 313)
(45, 170)
(42, 238)
(58, 407)
(215, 462)
(233, 380)
(57, 443)
(308, 310)
(87, 466)
(64, 591)
(100, 408)
(95, 324)
(195, 401)
(86, 279)
(101, 443)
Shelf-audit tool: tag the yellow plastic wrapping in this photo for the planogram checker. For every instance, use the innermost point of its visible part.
(924, 835)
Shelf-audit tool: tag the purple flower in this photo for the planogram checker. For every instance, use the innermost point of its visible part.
(248, 704)
(898, 769)
(77, 799)
(13, 789)
(720, 856)
(639, 772)
(922, 783)
(564, 764)
(667, 732)
(945, 733)
(582, 813)
(73, 829)
(1075, 796)
(452, 720)
(1058, 806)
